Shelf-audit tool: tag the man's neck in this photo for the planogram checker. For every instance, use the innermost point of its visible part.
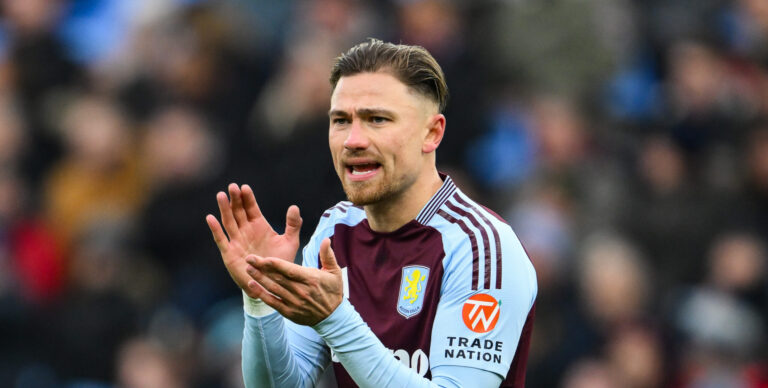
(388, 216)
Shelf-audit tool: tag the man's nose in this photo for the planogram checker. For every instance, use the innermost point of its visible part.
(357, 138)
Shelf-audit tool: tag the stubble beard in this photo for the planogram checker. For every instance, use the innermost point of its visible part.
(369, 194)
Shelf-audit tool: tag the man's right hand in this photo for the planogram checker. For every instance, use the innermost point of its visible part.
(250, 233)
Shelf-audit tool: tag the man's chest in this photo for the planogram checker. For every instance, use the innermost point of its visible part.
(393, 280)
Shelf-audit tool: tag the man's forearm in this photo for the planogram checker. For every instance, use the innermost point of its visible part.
(274, 356)
(371, 364)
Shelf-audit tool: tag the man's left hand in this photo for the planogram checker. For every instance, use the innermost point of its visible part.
(303, 295)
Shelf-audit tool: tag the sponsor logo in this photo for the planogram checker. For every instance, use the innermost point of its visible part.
(480, 313)
(474, 349)
(412, 284)
(418, 361)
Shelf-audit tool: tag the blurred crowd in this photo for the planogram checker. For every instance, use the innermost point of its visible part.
(626, 141)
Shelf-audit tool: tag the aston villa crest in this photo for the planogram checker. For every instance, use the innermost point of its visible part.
(412, 287)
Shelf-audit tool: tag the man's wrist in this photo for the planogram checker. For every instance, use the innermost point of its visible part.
(256, 307)
(337, 317)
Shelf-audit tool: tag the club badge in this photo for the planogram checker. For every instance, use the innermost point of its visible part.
(412, 287)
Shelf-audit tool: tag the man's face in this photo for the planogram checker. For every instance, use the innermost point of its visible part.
(377, 132)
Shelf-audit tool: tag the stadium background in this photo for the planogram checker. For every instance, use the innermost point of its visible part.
(624, 140)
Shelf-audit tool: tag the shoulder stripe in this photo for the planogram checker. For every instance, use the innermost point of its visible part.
(472, 240)
(477, 211)
(342, 206)
(437, 201)
(487, 249)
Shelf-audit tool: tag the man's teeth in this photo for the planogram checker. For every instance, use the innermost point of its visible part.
(362, 170)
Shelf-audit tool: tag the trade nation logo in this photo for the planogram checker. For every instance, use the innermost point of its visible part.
(480, 313)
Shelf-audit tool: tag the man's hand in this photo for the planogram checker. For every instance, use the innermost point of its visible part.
(301, 294)
(250, 233)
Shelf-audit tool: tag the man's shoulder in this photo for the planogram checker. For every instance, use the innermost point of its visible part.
(463, 216)
(479, 242)
(344, 212)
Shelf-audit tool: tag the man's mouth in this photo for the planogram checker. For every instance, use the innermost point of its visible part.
(362, 170)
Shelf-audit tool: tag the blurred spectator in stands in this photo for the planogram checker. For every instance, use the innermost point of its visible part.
(590, 373)
(737, 266)
(707, 97)
(99, 177)
(220, 349)
(32, 263)
(744, 24)
(504, 158)
(289, 121)
(665, 206)
(197, 54)
(568, 155)
(445, 28)
(299, 93)
(553, 47)
(751, 208)
(38, 71)
(635, 354)
(614, 284)
(612, 289)
(560, 133)
(96, 314)
(720, 320)
(721, 337)
(143, 363)
(183, 164)
(542, 219)
(31, 278)
(13, 135)
(31, 260)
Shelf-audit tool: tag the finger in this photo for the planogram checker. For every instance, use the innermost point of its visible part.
(249, 203)
(327, 257)
(255, 290)
(293, 223)
(278, 269)
(226, 215)
(273, 283)
(236, 202)
(218, 234)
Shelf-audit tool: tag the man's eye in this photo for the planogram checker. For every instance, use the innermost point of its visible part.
(379, 119)
(339, 121)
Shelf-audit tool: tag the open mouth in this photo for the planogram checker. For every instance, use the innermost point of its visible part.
(362, 171)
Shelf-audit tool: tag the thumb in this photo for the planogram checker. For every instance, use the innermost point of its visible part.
(327, 257)
(293, 222)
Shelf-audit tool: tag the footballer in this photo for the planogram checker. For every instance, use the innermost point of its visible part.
(408, 283)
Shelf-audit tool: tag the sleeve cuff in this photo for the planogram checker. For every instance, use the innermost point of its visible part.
(337, 318)
(255, 307)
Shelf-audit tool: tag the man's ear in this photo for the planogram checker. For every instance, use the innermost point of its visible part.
(435, 132)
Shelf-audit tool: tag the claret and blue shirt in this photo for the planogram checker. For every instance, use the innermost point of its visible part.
(447, 300)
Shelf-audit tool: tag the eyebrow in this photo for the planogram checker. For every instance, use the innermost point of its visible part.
(363, 112)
